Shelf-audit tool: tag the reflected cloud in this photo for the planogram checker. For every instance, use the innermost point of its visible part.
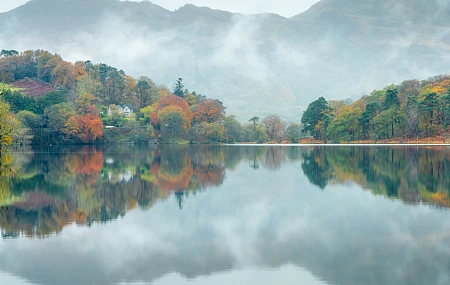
(238, 222)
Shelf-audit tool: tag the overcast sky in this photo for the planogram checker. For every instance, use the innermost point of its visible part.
(285, 8)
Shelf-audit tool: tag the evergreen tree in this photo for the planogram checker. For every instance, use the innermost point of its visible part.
(178, 88)
(391, 99)
(315, 113)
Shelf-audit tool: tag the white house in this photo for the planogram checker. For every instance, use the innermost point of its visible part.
(122, 109)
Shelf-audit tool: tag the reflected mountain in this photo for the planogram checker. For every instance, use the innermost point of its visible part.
(243, 209)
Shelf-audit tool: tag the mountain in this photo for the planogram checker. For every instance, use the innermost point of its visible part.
(256, 64)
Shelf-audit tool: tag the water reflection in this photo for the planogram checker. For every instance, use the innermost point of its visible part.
(316, 215)
(41, 192)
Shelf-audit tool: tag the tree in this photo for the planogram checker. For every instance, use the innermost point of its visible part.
(444, 109)
(57, 117)
(345, 125)
(167, 101)
(178, 88)
(62, 75)
(255, 121)
(427, 109)
(7, 125)
(86, 128)
(8, 53)
(233, 129)
(366, 119)
(275, 127)
(294, 132)
(209, 111)
(173, 123)
(391, 99)
(385, 122)
(84, 102)
(146, 92)
(206, 133)
(412, 117)
(315, 113)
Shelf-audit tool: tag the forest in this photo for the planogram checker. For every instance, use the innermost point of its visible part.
(414, 111)
(48, 101)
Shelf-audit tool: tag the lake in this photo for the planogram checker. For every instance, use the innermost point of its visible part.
(225, 215)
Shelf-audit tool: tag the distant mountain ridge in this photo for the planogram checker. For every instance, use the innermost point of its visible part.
(256, 64)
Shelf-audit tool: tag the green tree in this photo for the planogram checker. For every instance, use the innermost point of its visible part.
(172, 124)
(315, 113)
(294, 132)
(178, 88)
(391, 99)
(445, 109)
(427, 109)
(412, 117)
(206, 133)
(233, 129)
(7, 125)
(345, 125)
(255, 121)
(366, 119)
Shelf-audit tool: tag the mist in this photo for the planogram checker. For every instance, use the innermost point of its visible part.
(256, 64)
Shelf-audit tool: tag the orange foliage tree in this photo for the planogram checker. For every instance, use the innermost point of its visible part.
(209, 111)
(87, 128)
(175, 101)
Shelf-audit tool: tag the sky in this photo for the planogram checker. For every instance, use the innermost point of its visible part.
(285, 8)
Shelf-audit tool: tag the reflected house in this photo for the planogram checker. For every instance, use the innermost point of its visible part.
(125, 177)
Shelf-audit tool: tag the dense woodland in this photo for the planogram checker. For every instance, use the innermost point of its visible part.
(46, 100)
(413, 110)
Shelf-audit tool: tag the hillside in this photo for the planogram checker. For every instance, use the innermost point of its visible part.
(34, 88)
(258, 64)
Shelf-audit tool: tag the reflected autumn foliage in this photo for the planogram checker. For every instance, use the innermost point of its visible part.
(88, 185)
(43, 191)
(414, 175)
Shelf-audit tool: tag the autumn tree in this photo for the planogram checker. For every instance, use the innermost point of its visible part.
(174, 123)
(62, 75)
(275, 127)
(147, 92)
(345, 125)
(7, 125)
(57, 117)
(209, 111)
(175, 101)
(85, 128)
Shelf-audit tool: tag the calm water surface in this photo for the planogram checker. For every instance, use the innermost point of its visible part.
(225, 215)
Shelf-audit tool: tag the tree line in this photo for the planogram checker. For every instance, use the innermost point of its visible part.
(85, 98)
(412, 110)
